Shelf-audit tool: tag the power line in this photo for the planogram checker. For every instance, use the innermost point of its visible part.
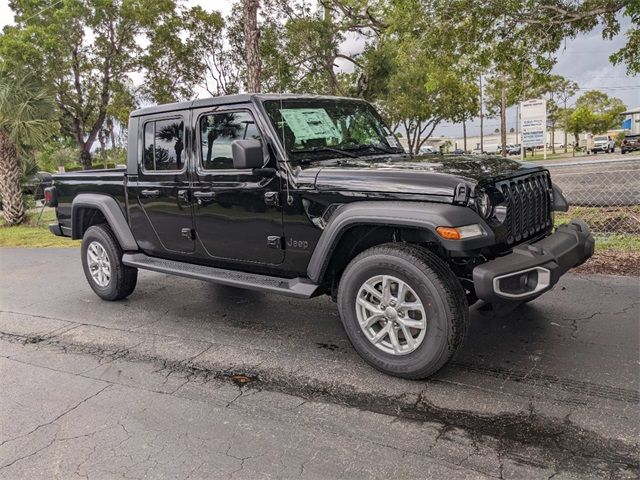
(42, 11)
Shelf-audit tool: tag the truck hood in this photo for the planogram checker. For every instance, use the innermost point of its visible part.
(422, 175)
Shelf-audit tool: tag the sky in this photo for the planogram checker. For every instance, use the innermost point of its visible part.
(584, 59)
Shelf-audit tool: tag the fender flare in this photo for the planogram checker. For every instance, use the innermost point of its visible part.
(111, 211)
(416, 215)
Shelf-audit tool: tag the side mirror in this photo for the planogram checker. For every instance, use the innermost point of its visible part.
(247, 154)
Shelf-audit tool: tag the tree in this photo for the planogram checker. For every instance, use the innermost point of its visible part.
(220, 65)
(595, 112)
(606, 110)
(87, 50)
(505, 88)
(252, 44)
(27, 113)
(558, 91)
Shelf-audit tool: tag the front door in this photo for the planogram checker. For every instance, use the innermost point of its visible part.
(236, 213)
(164, 223)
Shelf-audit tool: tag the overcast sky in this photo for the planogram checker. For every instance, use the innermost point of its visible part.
(584, 59)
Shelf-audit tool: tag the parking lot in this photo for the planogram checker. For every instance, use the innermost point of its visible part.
(186, 379)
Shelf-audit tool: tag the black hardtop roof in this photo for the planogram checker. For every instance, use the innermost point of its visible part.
(229, 100)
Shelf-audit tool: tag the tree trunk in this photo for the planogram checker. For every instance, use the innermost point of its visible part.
(112, 135)
(13, 209)
(553, 138)
(503, 119)
(103, 147)
(85, 157)
(252, 44)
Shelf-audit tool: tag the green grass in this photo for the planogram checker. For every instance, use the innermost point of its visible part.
(614, 228)
(33, 234)
(618, 243)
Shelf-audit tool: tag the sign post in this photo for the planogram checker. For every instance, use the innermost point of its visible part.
(533, 118)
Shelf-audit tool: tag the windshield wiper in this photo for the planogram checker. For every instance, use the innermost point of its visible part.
(326, 149)
(374, 147)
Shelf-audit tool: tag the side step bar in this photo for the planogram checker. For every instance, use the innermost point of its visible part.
(292, 287)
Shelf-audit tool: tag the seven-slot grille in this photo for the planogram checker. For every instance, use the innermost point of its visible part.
(528, 203)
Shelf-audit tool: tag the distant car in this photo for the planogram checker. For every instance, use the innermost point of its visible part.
(630, 144)
(603, 143)
(514, 149)
(427, 149)
(458, 151)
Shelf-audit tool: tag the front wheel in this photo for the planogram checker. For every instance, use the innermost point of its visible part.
(109, 278)
(403, 310)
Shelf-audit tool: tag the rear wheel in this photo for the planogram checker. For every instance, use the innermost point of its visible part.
(403, 309)
(109, 278)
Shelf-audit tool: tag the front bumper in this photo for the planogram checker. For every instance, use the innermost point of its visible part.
(532, 269)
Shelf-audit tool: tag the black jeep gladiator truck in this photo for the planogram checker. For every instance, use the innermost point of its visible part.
(309, 195)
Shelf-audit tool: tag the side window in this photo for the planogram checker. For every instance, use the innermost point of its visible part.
(217, 131)
(163, 145)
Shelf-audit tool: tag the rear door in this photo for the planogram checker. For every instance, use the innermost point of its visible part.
(236, 213)
(162, 215)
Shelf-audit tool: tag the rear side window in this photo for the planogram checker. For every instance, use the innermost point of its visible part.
(218, 131)
(163, 145)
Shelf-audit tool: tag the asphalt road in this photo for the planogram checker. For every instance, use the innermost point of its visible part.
(600, 184)
(153, 386)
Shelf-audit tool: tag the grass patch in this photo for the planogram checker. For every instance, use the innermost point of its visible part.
(618, 243)
(34, 234)
(616, 229)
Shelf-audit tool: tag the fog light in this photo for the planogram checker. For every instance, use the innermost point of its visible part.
(523, 283)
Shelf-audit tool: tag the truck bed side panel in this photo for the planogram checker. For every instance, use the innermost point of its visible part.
(107, 182)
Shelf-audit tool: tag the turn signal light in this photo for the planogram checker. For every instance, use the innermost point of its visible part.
(458, 233)
(450, 233)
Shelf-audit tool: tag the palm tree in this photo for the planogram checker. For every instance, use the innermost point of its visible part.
(27, 114)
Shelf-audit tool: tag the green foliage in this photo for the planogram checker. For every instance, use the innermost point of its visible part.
(57, 152)
(595, 112)
(410, 85)
(27, 109)
(87, 50)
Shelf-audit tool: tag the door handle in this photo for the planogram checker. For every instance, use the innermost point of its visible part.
(183, 196)
(206, 195)
(150, 193)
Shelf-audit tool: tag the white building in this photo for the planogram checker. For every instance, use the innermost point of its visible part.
(631, 122)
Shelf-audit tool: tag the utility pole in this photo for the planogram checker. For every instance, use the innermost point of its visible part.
(481, 120)
(564, 123)
(464, 133)
(503, 117)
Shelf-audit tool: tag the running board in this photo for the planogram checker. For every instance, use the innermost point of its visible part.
(292, 287)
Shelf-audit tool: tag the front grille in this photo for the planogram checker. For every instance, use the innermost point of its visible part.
(529, 209)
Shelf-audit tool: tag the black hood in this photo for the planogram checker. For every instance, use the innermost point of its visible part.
(428, 174)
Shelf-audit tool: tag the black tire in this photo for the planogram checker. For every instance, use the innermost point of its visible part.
(437, 288)
(123, 279)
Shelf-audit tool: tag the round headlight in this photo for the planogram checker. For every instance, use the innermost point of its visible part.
(483, 203)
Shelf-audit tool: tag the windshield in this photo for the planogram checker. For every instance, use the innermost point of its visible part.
(599, 139)
(320, 129)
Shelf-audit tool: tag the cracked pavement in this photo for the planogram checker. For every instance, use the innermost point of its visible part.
(190, 380)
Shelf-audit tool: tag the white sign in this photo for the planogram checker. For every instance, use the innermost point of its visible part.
(533, 117)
